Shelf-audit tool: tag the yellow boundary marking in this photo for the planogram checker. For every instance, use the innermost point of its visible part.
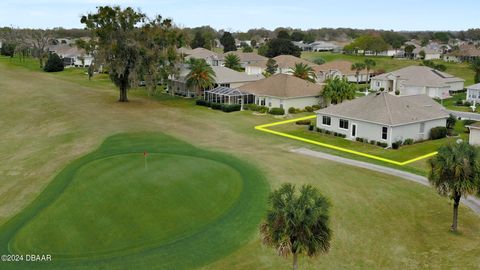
(264, 128)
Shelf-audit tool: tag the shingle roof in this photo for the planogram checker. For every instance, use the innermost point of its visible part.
(65, 50)
(467, 50)
(387, 109)
(283, 85)
(247, 57)
(421, 76)
(475, 86)
(285, 61)
(224, 75)
(344, 66)
(202, 53)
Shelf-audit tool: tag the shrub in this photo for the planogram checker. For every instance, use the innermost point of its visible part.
(397, 92)
(7, 49)
(297, 110)
(408, 141)
(373, 142)
(316, 107)
(231, 107)
(216, 106)
(54, 63)
(310, 127)
(469, 122)
(467, 104)
(396, 145)
(309, 109)
(303, 122)
(328, 132)
(277, 111)
(321, 130)
(438, 133)
(291, 110)
(382, 144)
(459, 102)
(335, 134)
(343, 135)
(452, 132)
(201, 102)
(451, 120)
(382, 89)
(262, 109)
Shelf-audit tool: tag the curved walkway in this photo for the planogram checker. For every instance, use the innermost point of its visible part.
(472, 202)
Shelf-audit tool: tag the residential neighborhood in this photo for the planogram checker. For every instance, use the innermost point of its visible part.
(239, 135)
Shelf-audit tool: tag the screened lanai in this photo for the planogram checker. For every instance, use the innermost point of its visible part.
(227, 95)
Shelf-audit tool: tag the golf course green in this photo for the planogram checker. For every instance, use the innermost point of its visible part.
(180, 207)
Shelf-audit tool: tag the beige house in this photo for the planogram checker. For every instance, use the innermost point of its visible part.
(384, 118)
(418, 80)
(341, 68)
(285, 64)
(223, 77)
(248, 58)
(212, 58)
(284, 91)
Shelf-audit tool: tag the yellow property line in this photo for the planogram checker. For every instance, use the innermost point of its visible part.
(264, 128)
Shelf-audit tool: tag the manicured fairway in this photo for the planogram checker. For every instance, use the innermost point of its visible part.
(185, 207)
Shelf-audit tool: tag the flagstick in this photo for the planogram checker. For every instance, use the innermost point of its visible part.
(145, 157)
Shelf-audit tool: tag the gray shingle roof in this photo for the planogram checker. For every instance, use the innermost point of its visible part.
(387, 109)
(475, 86)
(421, 76)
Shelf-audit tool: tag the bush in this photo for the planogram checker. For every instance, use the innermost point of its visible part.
(408, 141)
(277, 111)
(310, 127)
(7, 49)
(297, 110)
(467, 104)
(452, 132)
(382, 144)
(438, 133)
(397, 92)
(309, 109)
(316, 107)
(328, 132)
(231, 107)
(396, 145)
(201, 102)
(262, 109)
(291, 110)
(451, 120)
(54, 63)
(321, 130)
(305, 122)
(459, 102)
(373, 142)
(469, 122)
(216, 106)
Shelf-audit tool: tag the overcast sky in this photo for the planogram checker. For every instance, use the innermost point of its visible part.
(245, 14)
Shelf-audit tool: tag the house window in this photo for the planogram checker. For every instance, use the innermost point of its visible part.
(326, 120)
(422, 128)
(262, 102)
(378, 84)
(384, 133)
(269, 104)
(343, 124)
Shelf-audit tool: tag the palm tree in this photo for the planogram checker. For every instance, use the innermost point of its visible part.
(201, 75)
(358, 67)
(454, 172)
(297, 224)
(475, 66)
(369, 65)
(304, 71)
(337, 90)
(232, 61)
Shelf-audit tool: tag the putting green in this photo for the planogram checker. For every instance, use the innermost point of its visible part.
(185, 208)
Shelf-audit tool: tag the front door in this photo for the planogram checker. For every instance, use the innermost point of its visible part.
(354, 130)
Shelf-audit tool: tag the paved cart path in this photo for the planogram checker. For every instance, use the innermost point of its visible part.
(472, 202)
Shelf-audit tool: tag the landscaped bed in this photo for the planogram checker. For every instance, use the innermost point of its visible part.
(404, 153)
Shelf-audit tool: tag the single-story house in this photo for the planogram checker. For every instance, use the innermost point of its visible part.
(465, 52)
(384, 118)
(223, 77)
(416, 80)
(248, 58)
(212, 58)
(473, 93)
(430, 53)
(340, 68)
(474, 137)
(284, 91)
(285, 64)
(72, 55)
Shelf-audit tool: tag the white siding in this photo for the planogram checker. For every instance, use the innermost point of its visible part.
(253, 70)
(412, 131)
(474, 136)
(473, 95)
(276, 102)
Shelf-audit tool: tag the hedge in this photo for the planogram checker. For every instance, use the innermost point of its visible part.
(438, 133)
(216, 106)
(305, 122)
(277, 111)
(231, 107)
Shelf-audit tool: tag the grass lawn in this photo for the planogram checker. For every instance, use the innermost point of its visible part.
(51, 120)
(461, 70)
(406, 152)
(108, 205)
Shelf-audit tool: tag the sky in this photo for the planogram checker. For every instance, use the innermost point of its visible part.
(241, 15)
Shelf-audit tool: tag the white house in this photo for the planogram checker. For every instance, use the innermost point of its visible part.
(430, 53)
(223, 77)
(72, 55)
(416, 80)
(340, 68)
(284, 91)
(473, 93)
(384, 118)
(474, 137)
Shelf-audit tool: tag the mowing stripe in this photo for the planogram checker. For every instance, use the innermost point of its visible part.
(264, 128)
